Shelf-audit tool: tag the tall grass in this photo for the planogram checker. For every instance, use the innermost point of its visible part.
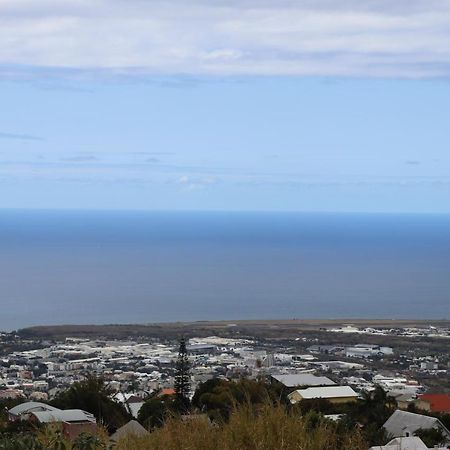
(267, 428)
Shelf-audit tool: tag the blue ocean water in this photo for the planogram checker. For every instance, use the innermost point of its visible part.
(136, 267)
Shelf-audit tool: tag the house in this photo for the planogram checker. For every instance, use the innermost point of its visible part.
(73, 421)
(405, 424)
(334, 394)
(301, 380)
(132, 428)
(134, 408)
(403, 399)
(11, 394)
(23, 410)
(436, 403)
(404, 443)
(167, 391)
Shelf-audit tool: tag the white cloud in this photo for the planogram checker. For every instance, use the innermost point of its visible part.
(321, 37)
(196, 183)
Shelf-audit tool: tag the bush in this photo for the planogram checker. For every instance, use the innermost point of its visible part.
(94, 395)
(267, 427)
(219, 397)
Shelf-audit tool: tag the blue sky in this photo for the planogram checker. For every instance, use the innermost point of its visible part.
(269, 105)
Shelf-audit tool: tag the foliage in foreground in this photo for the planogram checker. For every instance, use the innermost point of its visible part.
(50, 439)
(267, 428)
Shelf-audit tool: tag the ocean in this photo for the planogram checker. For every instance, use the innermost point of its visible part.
(79, 267)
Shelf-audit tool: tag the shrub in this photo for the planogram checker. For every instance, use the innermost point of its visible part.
(267, 427)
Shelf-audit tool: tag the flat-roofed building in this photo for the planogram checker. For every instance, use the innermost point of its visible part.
(333, 394)
(302, 380)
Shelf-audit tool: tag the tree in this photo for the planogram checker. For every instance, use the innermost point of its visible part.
(156, 410)
(372, 411)
(182, 375)
(431, 436)
(218, 398)
(95, 396)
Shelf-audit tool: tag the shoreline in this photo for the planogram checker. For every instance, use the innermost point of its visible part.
(161, 329)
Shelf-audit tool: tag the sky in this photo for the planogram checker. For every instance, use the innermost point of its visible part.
(226, 105)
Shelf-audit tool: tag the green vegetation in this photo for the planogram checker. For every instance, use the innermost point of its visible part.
(218, 398)
(95, 396)
(51, 439)
(431, 437)
(265, 428)
(156, 410)
(243, 415)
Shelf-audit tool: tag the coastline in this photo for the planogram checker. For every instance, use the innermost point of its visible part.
(163, 329)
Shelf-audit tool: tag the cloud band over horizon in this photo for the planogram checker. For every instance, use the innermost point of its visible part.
(229, 37)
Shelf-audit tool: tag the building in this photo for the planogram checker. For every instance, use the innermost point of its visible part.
(436, 403)
(405, 424)
(201, 349)
(23, 411)
(73, 421)
(333, 394)
(325, 349)
(8, 394)
(404, 443)
(301, 380)
(167, 391)
(132, 428)
(367, 351)
(403, 399)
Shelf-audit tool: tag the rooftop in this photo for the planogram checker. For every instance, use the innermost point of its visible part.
(303, 379)
(67, 415)
(404, 421)
(327, 392)
(437, 402)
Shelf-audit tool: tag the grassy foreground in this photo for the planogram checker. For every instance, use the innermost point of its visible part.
(271, 428)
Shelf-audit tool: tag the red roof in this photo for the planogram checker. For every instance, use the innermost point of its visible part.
(438, 402)
(167, 392)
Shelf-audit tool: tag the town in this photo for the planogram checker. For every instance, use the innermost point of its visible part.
(335, 364)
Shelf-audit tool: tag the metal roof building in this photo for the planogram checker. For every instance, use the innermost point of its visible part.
(29, 407)
(302, 379)
(66, 415)
(327, 393)
(404, 424)
(404, 443)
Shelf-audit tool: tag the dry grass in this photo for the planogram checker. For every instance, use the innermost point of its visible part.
(271, 428)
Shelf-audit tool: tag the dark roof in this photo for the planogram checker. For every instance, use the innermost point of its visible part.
(302, 379)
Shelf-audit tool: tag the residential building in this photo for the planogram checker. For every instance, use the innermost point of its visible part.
(405, 424)
(405, 443)
(436, 403)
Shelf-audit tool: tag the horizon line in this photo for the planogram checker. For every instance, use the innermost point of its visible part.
(220, 211)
